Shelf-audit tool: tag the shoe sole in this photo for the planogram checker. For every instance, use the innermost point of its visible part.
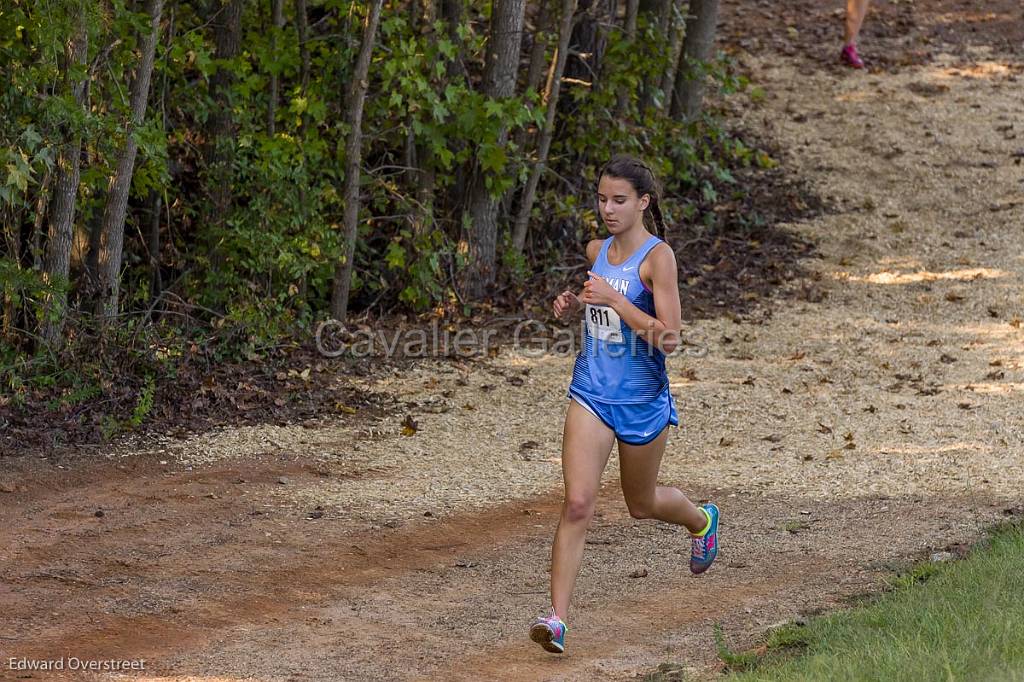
(542, 635)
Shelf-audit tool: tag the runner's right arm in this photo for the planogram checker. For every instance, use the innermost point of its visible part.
(567, 303)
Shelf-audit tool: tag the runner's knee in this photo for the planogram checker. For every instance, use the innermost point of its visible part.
(640, 509)
(578, 507)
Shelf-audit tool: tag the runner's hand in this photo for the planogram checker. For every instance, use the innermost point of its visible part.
(566, 304)
(597, 291)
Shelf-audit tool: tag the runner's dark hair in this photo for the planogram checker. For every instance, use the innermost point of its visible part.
(643, 180)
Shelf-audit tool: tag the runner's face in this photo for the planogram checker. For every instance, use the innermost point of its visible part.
(619, 204)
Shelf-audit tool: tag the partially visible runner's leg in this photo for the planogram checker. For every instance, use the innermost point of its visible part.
(638, 466)
(856, 10)
(586, 445)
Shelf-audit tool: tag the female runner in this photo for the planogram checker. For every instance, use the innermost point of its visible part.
(619, 390)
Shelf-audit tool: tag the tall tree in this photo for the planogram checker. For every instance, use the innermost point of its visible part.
(499, 83)
(112, 240)
(354, 100)
(538, 49)
(605, 13)
(622, 96)
(155, 195)
(540, 34)
(660, 15)
(541, 37)
(420, 168)
(226, 19)
(698, 47)
(57, 264)
(583, 45)
(544, 146)
(277, 18)
(453, 14)
(675, 29)
(302, 27)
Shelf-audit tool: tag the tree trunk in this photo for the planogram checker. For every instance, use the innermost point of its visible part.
(499, 83)
(658, 13)
(277, 18)
(226, 18)
(698, 46)
(583, 46)
(42, 205)
(605, 12)
(538, 62)
(453, 12)
(112, 240)
(92, 256)
(668, 79)
(539, 66)
(541, 37)
(153, 245)
(422, 175)
(302, 26)
(355, 99)
(551, 97)
(57, 263)
(622, 96)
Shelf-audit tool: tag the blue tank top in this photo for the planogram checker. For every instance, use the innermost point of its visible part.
(615, 365)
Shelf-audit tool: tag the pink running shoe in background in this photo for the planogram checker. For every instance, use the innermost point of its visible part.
(850, 57)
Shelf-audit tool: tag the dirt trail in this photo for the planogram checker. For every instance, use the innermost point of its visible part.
(841, 438)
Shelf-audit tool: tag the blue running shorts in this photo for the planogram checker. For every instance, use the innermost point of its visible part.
(633, 423)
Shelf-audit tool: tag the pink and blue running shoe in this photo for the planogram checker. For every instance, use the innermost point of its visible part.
(549, 632)
(704, 549)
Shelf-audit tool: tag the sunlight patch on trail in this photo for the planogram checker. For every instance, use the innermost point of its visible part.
(889, 277)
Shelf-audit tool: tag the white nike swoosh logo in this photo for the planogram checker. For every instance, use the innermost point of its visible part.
(629, 268)
(647, 433)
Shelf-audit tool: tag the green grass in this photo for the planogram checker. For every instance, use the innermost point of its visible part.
(962, 620)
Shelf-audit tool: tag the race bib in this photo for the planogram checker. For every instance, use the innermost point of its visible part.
(604, 324)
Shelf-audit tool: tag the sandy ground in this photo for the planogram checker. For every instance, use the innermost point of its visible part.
(841, 438)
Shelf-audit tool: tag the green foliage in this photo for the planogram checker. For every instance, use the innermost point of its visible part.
(111, 425)
(145, 404)
(22, 286)
(955, 620)
(254, 276)
(75, 396)
(419, 257)
(735, 661)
